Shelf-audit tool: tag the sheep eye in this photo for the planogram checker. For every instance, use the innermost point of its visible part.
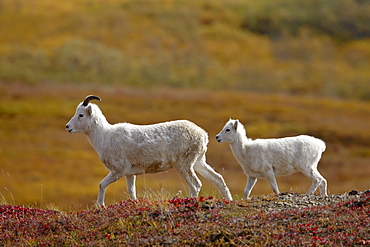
(227, 130)
(81, 115)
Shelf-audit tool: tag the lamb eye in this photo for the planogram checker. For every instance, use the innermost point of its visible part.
(227, 130)
(81, 115)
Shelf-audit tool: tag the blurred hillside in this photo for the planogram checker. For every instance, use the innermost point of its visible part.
(316, 47)
(281, 67)
(42, 164)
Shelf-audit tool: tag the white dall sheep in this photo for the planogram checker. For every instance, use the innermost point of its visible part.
(267, 158)
(129, 150)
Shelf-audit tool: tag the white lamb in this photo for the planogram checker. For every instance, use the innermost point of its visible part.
(129, 150)
(266, 158)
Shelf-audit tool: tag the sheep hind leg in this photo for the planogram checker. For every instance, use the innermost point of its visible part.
(215, 178)
(110, 178)
(191, 179)
(323, 187)
(317, 180)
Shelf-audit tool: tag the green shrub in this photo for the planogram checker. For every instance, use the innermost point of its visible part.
(340, 19)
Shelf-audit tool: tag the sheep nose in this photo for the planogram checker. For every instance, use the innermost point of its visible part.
(67, 126)
(218, 139)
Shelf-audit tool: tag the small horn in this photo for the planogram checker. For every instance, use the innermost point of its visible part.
(88, 98)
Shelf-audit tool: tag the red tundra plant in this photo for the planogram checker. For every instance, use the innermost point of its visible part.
(203, 221)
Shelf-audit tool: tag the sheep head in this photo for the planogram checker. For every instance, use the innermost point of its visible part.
(229, 131)
(81, 121)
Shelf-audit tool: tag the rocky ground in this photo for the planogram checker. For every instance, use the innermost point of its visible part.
(291, 200)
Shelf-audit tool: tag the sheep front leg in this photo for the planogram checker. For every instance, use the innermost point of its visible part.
(131, 188)
(110, 178)
(272, 181)
(248, 188)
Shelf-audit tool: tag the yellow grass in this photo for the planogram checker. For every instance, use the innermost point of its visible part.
(44, 166)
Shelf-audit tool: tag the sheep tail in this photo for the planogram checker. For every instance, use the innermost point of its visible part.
(322, 145)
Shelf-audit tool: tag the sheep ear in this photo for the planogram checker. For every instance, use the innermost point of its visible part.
(236, 124)
(89, 110)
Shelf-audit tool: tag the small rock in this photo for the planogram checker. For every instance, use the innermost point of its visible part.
(353, 193)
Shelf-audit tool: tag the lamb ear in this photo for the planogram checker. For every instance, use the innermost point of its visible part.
(236, 124)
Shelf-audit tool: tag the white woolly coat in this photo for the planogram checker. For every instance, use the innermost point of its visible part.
(286, 156)
(154, 148)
